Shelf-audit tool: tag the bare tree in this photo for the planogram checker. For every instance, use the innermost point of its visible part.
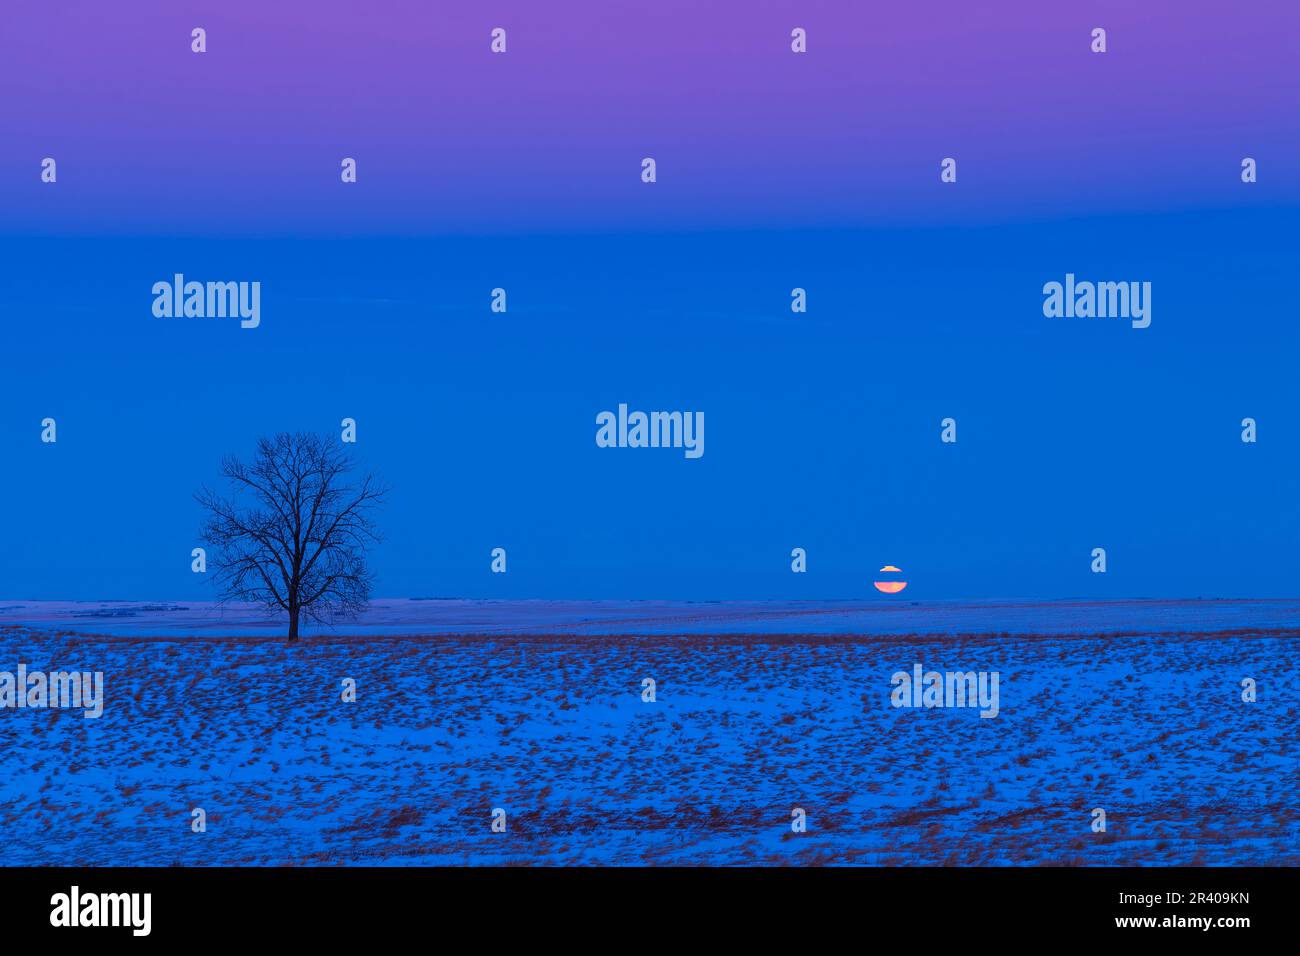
(294, 531)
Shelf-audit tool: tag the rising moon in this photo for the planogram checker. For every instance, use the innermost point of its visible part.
(890, 587)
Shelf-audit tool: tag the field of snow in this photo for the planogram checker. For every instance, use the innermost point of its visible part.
(399, 617)
(745, 728)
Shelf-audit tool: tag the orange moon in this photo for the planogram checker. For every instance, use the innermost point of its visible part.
(890, 587)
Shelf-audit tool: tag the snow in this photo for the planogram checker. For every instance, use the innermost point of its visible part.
(1133, 707)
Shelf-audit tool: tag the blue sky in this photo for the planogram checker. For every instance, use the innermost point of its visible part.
(822, 429)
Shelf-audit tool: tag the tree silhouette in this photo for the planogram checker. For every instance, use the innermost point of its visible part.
(294, 531)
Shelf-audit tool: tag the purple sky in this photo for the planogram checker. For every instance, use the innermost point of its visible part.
(247, 137)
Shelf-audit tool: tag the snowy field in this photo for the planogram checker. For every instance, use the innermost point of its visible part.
(881, 617)
(745, 728)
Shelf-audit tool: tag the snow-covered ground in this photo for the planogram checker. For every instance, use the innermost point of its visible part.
(893, 615)
(551, 727)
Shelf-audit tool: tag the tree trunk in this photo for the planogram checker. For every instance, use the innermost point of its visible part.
(293, 623)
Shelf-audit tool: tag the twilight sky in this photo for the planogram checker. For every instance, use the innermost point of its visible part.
(775, 170)
(246, 138)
